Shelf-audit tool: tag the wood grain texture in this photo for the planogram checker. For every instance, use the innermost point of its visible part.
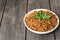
(2, 5)
(55, 7)
(12, 27)
(7, 22)
(33, 4)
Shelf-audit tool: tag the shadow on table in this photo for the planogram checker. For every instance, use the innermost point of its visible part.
(58, 29)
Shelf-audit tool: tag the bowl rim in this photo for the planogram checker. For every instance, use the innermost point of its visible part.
(37, 31)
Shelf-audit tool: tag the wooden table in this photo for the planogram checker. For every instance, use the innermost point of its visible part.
(11, 19)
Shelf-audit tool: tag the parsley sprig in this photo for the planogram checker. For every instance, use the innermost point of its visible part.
(42, 15)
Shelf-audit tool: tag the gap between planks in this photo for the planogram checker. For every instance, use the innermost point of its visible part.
(25, 27)
(50, 9)
(3, 12)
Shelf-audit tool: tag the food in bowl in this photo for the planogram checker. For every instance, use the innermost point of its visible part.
(41, 20)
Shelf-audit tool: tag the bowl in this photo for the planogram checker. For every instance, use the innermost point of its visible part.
(37, 31)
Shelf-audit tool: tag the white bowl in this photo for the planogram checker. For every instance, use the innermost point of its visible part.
(37, 31)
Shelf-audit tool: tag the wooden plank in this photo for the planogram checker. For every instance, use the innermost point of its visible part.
(33, 4)
(12, 27)
(55, 6)
(2, 5)
(7, 22)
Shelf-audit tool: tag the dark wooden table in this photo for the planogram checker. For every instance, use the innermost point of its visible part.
(11, 19)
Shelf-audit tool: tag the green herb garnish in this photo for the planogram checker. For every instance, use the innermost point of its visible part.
(38, 16)
(42, 15)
